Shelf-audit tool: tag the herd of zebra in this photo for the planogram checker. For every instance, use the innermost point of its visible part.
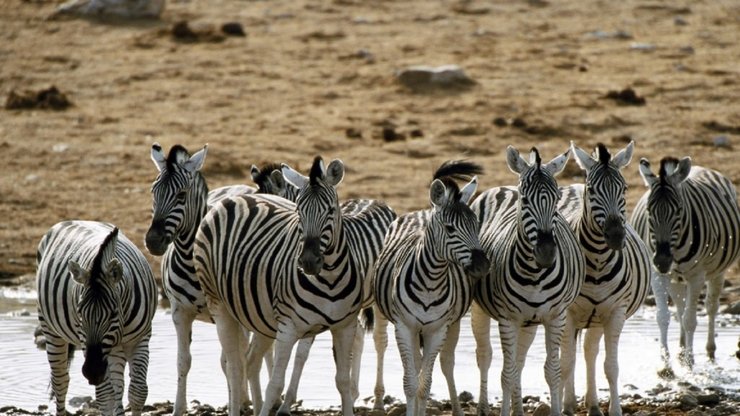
(282, 262)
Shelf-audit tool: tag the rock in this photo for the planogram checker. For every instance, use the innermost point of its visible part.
(688, 401)
(47, 99)
(618, 34)
(416, 133)
(642, 47)
(722, 141)
(353, 133)
(711, 399)
(397, 410)
(390, 135)
(465, 396)
(233, 29)
(426, 78)
(543, 409)
(680, 21)
(530, 399)
(627, 96)
(500, 122)
(80, 401)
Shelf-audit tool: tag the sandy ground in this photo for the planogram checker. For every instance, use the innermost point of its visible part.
(317, 77)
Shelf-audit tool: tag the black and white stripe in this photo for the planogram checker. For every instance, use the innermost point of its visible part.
(180, 199)
(96, 290)
(367, 238)
(424, 278)
(537, 272)
(617, 271)
(690, 220)
(286, 271)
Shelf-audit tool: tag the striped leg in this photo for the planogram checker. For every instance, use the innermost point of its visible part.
(286, 339)
(357, 345)
(447, 363)
(693, 290)
(342, 339)
(660, 284)
(591, 340)
(138, 359)
(380, 337)
(568, 366)
(116, 366)
(714, 288)
(612, 330)
(228, 335)
(183, 319)
(299, 361)
(104, 397)
(57, 352)
(261, 346)
(524, 341)
(432, 344)
(408, 345)
(509, 341)
(481, 325)
(553, 336)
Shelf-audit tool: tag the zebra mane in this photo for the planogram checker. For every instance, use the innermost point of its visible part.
(537, 158)
(453, 170)
(317, 170)
(97, 265)
(668, 165)
(177, 155)
(603, 153)
(264, 174)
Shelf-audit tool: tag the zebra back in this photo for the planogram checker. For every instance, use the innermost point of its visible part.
(689, 218)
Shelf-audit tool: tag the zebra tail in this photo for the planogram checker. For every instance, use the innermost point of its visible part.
(367, 319)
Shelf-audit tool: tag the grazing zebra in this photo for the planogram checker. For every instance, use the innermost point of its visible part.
(617, 271)
(286, 271)
(96, 290)
(180, 199)
(269, 180)
(537, 272)
(424, 278)
(690, 219)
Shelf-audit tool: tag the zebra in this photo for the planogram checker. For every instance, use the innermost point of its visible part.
(286, 271)
(269, 180)
(180, 198)
(538, 269)
(690, 220)
(617, 271)
(96, 290)
(424, 277)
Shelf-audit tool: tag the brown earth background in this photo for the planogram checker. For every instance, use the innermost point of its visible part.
(318, 77)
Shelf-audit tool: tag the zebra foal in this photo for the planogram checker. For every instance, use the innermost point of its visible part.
(617, 271)
(287, 272)
(96, 290)
(690, 220)
(180, 199)
(537, 272)
(423, 281)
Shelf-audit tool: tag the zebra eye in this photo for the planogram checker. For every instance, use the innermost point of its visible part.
(181, 195)
(450, 229)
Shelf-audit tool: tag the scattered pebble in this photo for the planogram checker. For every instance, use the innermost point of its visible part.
(500, 122)
(233, 29)
(627, 96)
(47, 99)
(642, 47)
(353, 133)
(543, 409)
(391, 135)
(617, 34)
(182, 31)
(680, 21)
(721, 141)
(425, 78)
(733, 309)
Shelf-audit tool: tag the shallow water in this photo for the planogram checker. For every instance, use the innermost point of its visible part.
(24, 371)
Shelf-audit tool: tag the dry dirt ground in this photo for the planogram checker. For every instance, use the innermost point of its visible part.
(318, 77)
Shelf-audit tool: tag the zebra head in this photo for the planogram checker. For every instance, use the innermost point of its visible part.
(538, 197)
(605, 191)
(174, 199)
(664, 207)
(270, 180)
(99, 308)
(453, 224)
(318, 211)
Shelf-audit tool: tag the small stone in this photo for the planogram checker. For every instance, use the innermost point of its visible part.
(711, 399)
(424, 78)
(397, 410)
(416, 133)
(465, 396)
(680, 21)
(518, 122)
(233, 29)
(353, 133)
(543, 409)
(627, 96)
(688, 401)
(80, 401)
(390, 135)
(630, 387)
(530, 399)
(60, 147)
(642, 47)
(721, 141)
(500, 122)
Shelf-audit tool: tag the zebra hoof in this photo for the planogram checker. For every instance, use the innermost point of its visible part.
(667, 373)
(595, 411)
(483, 410)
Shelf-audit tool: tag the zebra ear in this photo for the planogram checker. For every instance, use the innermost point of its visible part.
(682, 171)
(293, 177)
(255, 172)
(624, 156)
(583, 159)
(334, 172)
(78, 273)
(438, 193)
(647, 175)
(557, 164)
(279, 181)
(195, 163)
(466, 193)
(114, 270)
(514, 160)
(158, 157)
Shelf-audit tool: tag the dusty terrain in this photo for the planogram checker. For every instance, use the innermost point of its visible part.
(318, 77)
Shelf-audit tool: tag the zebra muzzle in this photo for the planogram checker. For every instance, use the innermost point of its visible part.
(614, 233)
(156, 240)
(95, 367)
(479, 264)
(663, 258)
(311, 260)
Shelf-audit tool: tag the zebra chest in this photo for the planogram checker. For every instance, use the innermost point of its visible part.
(429, 301)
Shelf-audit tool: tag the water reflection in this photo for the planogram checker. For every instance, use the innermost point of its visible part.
(24, 371)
